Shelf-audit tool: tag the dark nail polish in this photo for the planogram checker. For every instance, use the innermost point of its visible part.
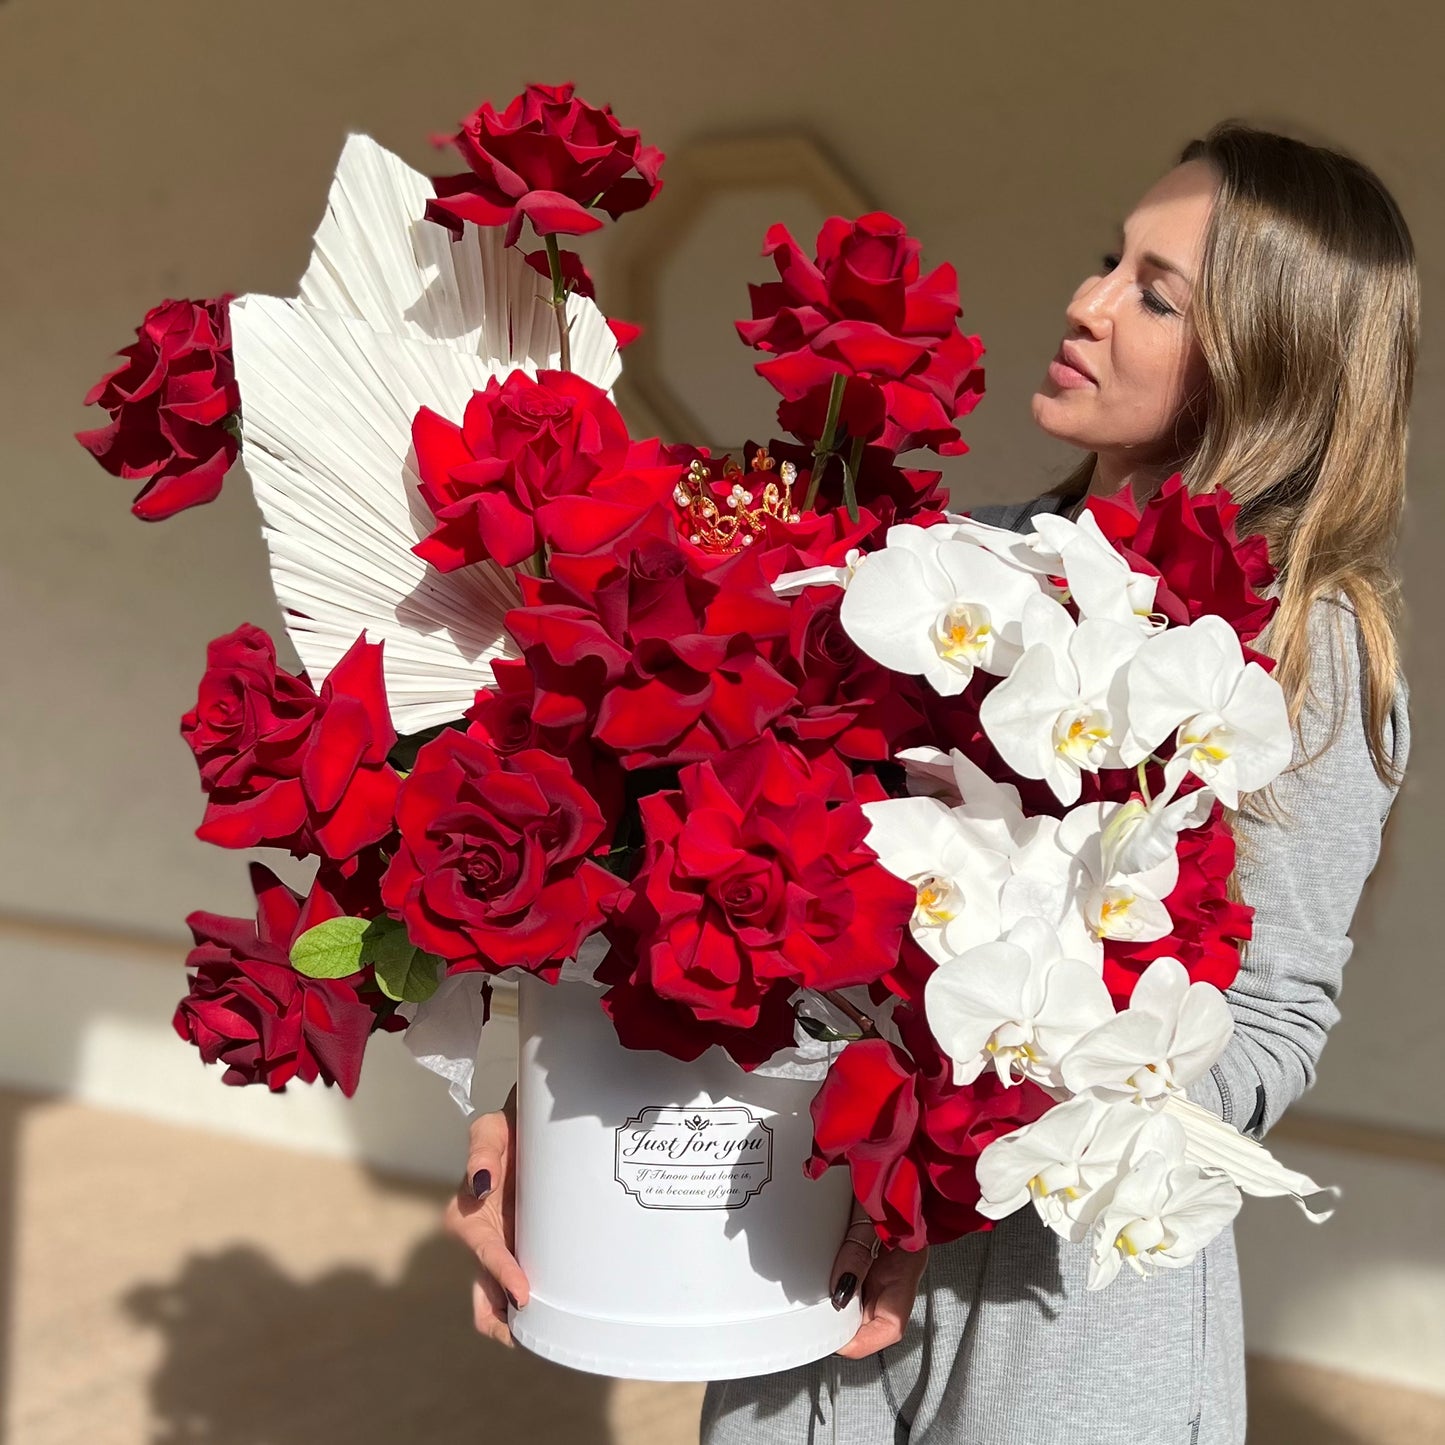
(512, 1299)
(846, 1285)
(482, 1183)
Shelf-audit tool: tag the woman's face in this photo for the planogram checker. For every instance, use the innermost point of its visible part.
(1129, 363)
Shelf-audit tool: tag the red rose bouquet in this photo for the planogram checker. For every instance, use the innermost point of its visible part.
(819, 764)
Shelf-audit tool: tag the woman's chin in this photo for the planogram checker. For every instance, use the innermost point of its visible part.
(1059, 413)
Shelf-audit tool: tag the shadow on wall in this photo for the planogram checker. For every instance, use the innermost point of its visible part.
(254, 1357)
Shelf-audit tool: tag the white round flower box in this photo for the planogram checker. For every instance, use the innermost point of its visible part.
(664, 1221)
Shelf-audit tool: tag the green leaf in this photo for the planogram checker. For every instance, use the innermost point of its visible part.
(332, 949)
(403, 971)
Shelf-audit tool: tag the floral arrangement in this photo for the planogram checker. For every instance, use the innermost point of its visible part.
(817, 759)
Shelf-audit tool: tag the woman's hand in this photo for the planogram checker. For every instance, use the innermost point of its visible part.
(888, 1283)
(482, 1215)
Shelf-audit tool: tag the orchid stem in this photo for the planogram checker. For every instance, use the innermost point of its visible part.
(1144, 784)
(559, 303)
(866, 1026)
(824, 449)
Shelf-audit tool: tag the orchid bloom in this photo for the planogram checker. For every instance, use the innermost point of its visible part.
(1017, 1004)
(992, 808)
(1064, 1162)
(1061, 711)
(1162, 1212)
(950, 862)
(1025, 550)
(1138, 836)
(937, 608)
(1169, 1036)
(1042, 876)
(1228, 716)
(1115, 904)
(1101, 583)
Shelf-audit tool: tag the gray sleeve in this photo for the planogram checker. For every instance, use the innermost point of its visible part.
(1303, 876)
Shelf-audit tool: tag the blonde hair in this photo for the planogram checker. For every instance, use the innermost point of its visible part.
(1306, 309)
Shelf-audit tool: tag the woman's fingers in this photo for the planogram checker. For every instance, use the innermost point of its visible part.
(489, 1310)
(482, 1229)
(888, 1295)
(852, 1262)
(489, 1153)
(481, 1215)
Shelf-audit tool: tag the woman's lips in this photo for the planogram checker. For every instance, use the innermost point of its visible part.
(1064, 375)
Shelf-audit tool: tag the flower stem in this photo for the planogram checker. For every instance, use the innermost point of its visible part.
(559, 302)
(1144, 785)
(826, 443)
(866, 1026)
(850, 478)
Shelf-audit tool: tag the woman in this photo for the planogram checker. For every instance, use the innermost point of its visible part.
(1256, 328)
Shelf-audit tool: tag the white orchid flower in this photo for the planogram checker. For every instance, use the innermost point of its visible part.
(1228, 717)
(1115, 904)
(1163, 1210)
(790, 584)
(1061, 711)
(1017, 1004)
(1138, 836)
(1168, 1037)
(937, 608)
(956, 873)
(1043, 877)
(1065, 1163)
(1025, 550)
(956, 778)
(1100, 582)
(1045, 883)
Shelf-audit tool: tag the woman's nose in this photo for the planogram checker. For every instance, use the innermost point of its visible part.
(1091, 310)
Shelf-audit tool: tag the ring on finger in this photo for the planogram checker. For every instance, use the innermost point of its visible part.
(871, 1244)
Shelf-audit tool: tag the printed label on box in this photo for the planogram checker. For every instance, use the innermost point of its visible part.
(705, 1158)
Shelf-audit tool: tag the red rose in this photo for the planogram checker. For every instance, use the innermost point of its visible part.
(756, 881)
(644, 1020)
(548, 158)
(250, 729)
(1202, 563)
(494, 866)
(911, 1137)
(846, 702)
(249, 1009)
(665, 661)
(173, 407)
(861, 311)
(505, 717)
(494, 482)
(284, 767)
(866, 1115)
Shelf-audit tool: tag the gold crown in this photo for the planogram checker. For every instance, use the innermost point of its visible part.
(744, 512)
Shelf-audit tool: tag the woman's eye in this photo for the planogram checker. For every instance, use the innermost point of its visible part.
(1150, 300)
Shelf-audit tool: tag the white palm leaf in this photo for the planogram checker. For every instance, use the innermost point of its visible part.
(392, 316)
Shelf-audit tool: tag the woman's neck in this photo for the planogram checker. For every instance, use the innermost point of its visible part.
(1113, 470)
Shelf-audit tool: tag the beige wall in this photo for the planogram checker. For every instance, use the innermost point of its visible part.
(178, 147)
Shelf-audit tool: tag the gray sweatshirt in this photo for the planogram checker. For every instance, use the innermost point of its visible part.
(1005, 1345)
